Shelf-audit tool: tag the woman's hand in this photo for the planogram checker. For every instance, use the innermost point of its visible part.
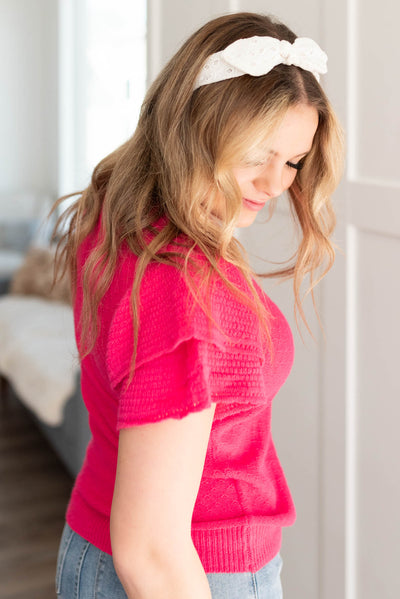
(157, 481)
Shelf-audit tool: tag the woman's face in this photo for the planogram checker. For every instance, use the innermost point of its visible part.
(268, 171)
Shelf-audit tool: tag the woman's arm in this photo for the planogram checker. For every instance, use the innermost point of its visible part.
(158, 477)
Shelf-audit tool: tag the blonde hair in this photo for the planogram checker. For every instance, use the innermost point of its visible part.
(178, 163)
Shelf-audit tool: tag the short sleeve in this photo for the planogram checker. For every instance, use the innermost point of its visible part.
(185, 361)
(169, 386)
(172, 367)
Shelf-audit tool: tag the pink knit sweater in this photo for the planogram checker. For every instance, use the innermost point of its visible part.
(183, 365)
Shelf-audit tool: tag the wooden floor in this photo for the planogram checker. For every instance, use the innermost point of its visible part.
(34, 490)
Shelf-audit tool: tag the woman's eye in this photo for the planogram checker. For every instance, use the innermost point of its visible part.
(296, 165)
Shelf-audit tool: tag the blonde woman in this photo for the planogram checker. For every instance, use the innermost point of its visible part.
(182, 495)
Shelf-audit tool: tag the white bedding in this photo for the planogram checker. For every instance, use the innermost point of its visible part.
(38, 353)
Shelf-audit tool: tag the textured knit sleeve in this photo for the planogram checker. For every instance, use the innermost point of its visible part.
(184, 361)
(172, 369)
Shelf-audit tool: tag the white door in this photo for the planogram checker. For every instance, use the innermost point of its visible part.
(360, 448)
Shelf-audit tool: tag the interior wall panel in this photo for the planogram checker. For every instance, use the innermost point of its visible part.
(360, 488)
(378, 91)
(28, 69)
(377, 439)
(304, 18)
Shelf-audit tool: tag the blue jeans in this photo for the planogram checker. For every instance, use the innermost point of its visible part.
(85, 572)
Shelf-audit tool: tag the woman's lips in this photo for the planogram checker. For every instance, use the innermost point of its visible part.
(256, 206)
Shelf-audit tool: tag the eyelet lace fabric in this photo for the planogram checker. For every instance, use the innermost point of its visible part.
(257, 56)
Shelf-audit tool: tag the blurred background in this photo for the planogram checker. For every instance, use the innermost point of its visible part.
(73, 74)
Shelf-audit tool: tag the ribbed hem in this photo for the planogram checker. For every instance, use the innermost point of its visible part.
(232, 546)
(243, 547)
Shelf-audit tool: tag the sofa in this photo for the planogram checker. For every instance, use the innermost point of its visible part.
(38, 357)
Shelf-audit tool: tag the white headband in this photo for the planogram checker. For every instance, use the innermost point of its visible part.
(258, 55)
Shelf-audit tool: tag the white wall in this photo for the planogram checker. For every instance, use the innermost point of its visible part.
(170, 22)
(28, 98)
(360, 384)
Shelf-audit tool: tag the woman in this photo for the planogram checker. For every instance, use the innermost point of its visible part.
(181, 494)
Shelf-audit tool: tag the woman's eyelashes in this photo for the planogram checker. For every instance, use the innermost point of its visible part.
(257, 163)
(296, 165)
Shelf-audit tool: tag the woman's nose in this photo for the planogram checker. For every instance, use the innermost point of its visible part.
(270, 181)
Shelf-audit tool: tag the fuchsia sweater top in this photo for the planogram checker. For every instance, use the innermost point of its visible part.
(184, 364)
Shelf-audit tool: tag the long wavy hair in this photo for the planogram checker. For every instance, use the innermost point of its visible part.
(178, 165)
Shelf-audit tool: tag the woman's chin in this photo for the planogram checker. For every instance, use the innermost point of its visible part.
(246, 218)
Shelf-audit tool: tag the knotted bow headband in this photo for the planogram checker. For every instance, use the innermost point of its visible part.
(258, 55)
